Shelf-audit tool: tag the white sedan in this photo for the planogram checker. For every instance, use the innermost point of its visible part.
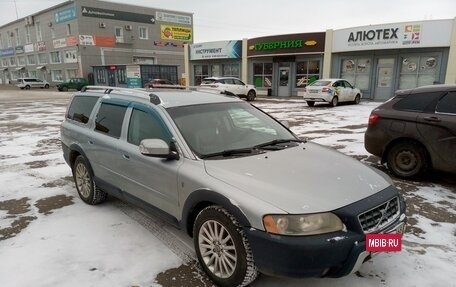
(232, 85)
(332, 91)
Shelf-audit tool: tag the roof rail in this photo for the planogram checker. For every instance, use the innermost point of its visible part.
(138, 92)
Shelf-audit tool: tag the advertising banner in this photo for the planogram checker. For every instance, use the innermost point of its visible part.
(173, 18)
(59, 43)
(29, 48)
(19, 50)
(71, 41)
(169, 32)
(41, 46)
(117, 15)
(6, 52)
(133, 76)
(287, 44)
(86, 40)
(65, 15)
(104, 41)
(216, 50)
(394, 36)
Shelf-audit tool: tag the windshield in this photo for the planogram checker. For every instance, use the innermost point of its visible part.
(320, 83)
(215, 128)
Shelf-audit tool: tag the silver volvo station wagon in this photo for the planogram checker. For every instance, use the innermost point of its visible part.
(254, 197)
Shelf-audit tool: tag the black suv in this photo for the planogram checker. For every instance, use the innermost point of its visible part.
(415, 131)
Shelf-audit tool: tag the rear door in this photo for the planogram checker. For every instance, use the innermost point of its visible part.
(438, 128)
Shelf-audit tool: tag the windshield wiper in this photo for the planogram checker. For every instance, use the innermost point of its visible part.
(278, 141)
(229, 152)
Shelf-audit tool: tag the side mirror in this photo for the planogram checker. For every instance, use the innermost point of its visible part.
(158, 148)
(285, 123)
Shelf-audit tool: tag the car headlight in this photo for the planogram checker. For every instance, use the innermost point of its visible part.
(308, 224)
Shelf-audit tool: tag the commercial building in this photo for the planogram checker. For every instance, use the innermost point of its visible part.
(67, 40)
(378, 59)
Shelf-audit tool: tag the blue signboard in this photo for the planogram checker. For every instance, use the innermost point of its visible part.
(216, 50)
(6, 52)
(65, 15)
(133, 82)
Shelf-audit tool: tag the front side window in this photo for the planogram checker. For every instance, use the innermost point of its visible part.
(109, 119)
(213, 128)
(144, 125)
(262, 75)
(81, 108)
(447, 105)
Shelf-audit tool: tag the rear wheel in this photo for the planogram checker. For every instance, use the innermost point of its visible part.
(251, 95)
(86, 187)
(334, 102)
(64, 89)
(407, 159)
(27, 87)
(357, 99)
(222, 248)
(46, 86)
(310, 103)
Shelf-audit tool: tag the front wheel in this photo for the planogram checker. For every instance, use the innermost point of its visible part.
(46, 86)
(357, 99)
(222, 248)
(27, 87)
(310, 103)
(407, 159)
(251, 95)
(334, 102)
(86, 187)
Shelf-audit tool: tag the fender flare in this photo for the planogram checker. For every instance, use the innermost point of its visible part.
(74, 147)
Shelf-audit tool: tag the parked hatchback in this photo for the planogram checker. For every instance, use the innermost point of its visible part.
(254, 197)
(28, 83)
(415, 131)
(332, 91)
(232, 85)
(73, 83)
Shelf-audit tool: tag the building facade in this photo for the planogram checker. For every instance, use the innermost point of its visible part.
(380, 59)
(67, 40)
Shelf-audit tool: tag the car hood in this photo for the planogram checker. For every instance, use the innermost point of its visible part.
(307, 178)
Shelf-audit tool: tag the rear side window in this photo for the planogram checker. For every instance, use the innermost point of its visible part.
(109, 119)
(81, 108)
(320, 83)
(417, 102)
(447, 105)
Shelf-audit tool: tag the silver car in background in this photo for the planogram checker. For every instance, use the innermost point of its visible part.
(254, 197)
(332, 91)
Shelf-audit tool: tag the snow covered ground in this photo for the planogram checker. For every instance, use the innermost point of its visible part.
(48, 237)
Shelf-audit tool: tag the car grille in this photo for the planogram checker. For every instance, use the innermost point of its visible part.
(380, 216)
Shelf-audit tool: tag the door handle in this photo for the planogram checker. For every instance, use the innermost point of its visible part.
(90, 142)
(432, 119)
(126, 156)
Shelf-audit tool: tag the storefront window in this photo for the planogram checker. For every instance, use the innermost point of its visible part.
(100, 74)
(418, 71)
(56, 75)
(200, 72)
(357, 72)
(121, 76)
(262, 75)
(307, 72)
(231, 70)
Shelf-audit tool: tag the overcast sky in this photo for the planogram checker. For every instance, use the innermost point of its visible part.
(236, 19)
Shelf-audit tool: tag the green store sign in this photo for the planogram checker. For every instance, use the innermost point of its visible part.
(286, 44)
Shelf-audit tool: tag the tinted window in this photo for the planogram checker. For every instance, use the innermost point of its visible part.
(80, 108)
(348, 85)
(229, 81)
(416, 102)
(145, 126)
(320, 83)
(237, 82)
(447, 104)
(109, 119)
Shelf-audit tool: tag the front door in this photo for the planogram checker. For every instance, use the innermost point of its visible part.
(284, 81)
(112, 78)
(384, 88)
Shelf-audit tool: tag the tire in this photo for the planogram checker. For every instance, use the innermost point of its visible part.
(334, 102)
(251, 95)
(86, 187)
(310, 103)
(27, 87)
(407, 159)
(227, 264)
(64, 89)
(357, 99)
(46, 86)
